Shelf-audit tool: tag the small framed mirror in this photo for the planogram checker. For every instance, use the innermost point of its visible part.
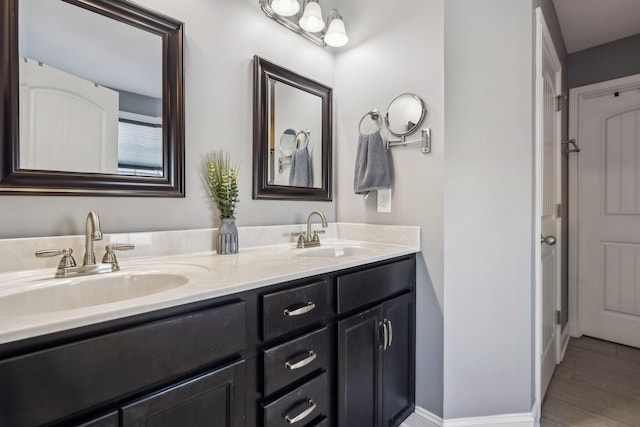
(405, 114)
(292, 135)
(93, 99)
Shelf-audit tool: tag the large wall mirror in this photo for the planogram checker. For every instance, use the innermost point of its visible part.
(92, 99)
(292, 135)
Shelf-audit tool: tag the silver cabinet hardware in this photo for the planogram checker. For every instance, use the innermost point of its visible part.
(302, 415)
(385, 334)
(301, 310)
(549, 240)
(311, 356)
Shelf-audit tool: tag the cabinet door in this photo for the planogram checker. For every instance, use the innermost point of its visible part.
(359, 369)
(398, 360)
(215, 399)
(108, 420)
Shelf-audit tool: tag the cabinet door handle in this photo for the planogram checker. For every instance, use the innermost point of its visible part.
(385, 334)
(302, 415)
(311, 356)
(307, 307)
(390, 327)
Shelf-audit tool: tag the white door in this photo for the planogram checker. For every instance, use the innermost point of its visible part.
(608, 132)
(548, 197)
(66, 123)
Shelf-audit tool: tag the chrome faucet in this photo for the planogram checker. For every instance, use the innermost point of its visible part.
(306, 239)
(92, 232)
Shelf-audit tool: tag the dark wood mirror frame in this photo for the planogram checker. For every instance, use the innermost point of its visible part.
(16, 181)
(263, 71)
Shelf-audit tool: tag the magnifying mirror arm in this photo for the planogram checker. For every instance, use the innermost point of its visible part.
(424, 141)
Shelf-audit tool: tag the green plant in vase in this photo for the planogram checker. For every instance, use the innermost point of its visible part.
(221, 177)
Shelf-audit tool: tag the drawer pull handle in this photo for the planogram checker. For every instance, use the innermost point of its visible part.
(302, 415)
(390, 333)
(300, 310)
(311, 356)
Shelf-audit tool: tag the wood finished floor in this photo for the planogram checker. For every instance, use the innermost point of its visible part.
(596, 385)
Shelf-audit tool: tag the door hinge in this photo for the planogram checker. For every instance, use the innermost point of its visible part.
(558, 317)
(559, 210)
(560, 102)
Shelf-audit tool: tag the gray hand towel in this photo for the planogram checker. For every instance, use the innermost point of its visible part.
(301, 172)
(372, 165)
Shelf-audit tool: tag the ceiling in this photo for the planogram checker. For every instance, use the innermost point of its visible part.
(589, 23)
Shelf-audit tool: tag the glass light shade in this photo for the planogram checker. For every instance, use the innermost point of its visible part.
(285, 7)
(336, 34)
(311, 19)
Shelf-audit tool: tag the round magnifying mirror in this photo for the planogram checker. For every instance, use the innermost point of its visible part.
(405, 113)
(288, 142)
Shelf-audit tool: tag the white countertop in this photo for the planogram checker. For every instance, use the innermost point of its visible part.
(209, 275)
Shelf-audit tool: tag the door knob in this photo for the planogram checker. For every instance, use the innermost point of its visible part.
(549, 240)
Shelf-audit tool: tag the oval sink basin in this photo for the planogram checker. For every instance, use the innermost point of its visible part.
(333, 252)
(69, 294)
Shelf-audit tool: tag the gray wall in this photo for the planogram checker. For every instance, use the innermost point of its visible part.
(488, 208)
(395, 50)
(609, 61)
(139, 104)
(221, 38)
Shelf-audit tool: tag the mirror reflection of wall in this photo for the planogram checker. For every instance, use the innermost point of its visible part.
(90, 92)
(295, 123)
(404, 114)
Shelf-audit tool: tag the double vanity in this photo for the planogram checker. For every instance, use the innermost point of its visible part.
(273, 336)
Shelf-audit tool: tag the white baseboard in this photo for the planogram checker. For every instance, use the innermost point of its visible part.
(564, 342)
(422, 418)
(525, 419)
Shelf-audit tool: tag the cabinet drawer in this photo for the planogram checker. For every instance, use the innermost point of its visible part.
(293, 309)
(70, 378)
(375, 284)
(293, 360)
(307, 403)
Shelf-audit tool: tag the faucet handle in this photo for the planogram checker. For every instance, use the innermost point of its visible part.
(301, 238)
(316, 238)
(67, 260)
(110, 256)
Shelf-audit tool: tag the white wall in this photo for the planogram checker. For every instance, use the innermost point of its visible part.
(488, 206)
(221, 38)
(393, 50)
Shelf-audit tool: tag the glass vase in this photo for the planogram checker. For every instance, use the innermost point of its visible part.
(227, 237)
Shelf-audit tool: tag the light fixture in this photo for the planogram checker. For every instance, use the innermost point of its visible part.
(307, 20)
(311, 20)
(336, 35)
(285, 7)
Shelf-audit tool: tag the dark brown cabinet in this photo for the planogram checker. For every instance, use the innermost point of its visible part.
(215, 399)
(333, 350)
(296, 384)
(108, 420)
(376, 359)
(69, 380)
